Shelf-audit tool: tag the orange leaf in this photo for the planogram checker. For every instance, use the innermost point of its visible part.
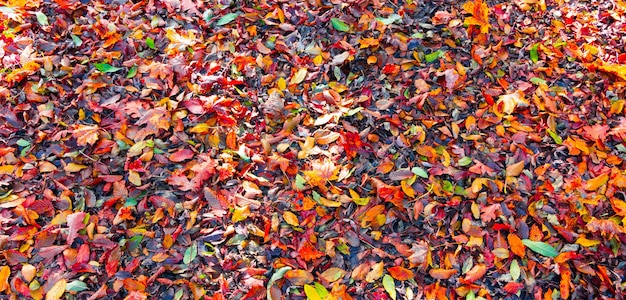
(565, 282)
(442, 273)
(5, 271)
(477, 272)
(400, 273)
(308, 252)
(517, 247)
(480, 15)
(515, 169)
(86, 134)
(299, 277)
(596, 183)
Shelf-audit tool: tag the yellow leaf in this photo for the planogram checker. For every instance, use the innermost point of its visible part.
(595, 183)
(134, 178)
(407, 189)
(282, 84)
(299, 76)
(240, 213)
(480, 14)
(615, 69)
(368, 42)
(73, 167)
(515, 169)
(57, 290)
(7, 169)
(5, 271)
(291, 218)
(585, 242)
(375, 273)
(318, 60)
(202, 128)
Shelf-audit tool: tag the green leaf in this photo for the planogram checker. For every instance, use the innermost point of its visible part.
(106, 68)
(42, 18)
(132, 72)
(541, 248)
(465, 161)
(538, 81)
(419, 172)
(77, 41)
(190, 253)
(514, 270)
(321, 290)
(227, 18)
(311, 293)
(390, 286)
(557, 139)
(150, 43)
(391, 19)
(179, 294)
(300, 182)
(339, 25)
(433, 56)
(534, 56)
(23, 143)
(76, 286)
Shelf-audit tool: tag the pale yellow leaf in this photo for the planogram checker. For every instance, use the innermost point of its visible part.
(57, 290)
(299, 76)
(74, 167)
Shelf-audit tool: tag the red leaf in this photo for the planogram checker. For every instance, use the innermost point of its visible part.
(75, 223)
(181, 155)
(513, 287)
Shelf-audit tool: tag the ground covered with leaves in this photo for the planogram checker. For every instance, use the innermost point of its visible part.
(184, 149)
